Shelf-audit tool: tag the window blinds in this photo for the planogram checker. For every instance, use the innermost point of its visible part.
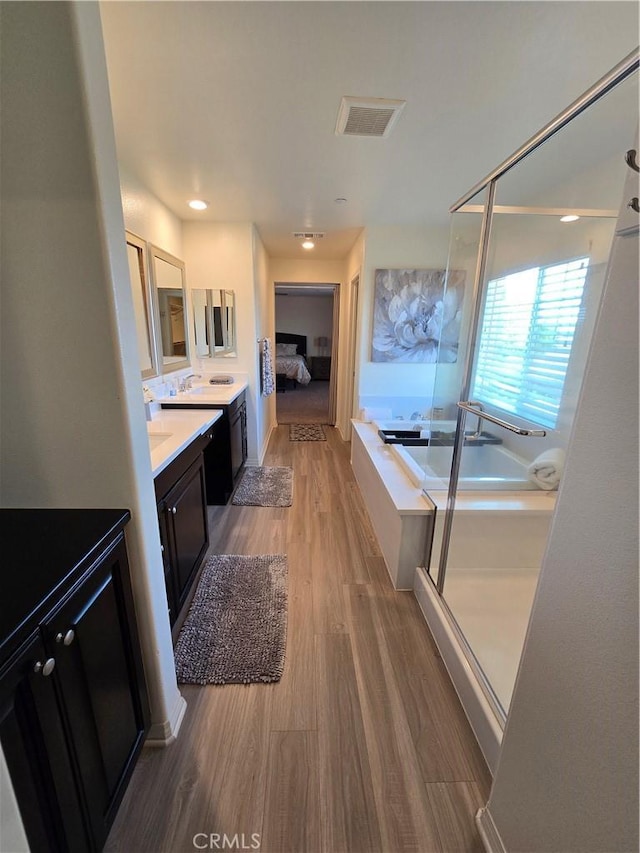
(527, 332)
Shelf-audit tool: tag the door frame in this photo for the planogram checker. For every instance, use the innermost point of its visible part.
(333, 288)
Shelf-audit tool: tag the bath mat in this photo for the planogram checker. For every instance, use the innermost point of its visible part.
(306, 432)
(262, 486)
(236, 628)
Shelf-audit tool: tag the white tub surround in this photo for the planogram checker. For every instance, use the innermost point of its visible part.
(494, 530)
(170, 431)
(402, 517)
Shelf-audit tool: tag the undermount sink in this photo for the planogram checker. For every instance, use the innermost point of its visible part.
(158, 438)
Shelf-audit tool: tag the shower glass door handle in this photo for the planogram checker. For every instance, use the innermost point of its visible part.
(472, 406)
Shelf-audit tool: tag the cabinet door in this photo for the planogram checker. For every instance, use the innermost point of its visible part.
(237, 440)
(186, 515)
(166, 562)
(100, 679)
(243, 412)
(33, 741)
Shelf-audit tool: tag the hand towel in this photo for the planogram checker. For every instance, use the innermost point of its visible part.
(266, 368)
(546, 470)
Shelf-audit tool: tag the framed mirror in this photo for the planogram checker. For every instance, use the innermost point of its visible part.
(142, 304)
(214, 322)
(168, 276)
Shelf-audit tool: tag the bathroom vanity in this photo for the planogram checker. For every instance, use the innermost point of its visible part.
(73, 702)
(224, 459)
(179, 482)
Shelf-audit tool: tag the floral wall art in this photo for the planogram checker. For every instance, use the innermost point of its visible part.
(414, 318)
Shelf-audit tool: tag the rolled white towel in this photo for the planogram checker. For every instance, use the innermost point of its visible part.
(546, 470)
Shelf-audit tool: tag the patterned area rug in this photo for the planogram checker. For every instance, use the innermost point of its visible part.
(306, 432)
(262, 486)
(236, 628)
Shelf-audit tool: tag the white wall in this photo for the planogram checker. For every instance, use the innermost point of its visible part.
(146, 216)
(72, 420)
(221, 255)
(348, 344)
(567, 778)
(266, 406)
(396, 248)
(303, 271)
(306, 315)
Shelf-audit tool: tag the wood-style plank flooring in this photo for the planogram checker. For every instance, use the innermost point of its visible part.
(362, 746)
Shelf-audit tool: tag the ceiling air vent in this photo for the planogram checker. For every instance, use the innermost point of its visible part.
(308, 235)
(367, 116)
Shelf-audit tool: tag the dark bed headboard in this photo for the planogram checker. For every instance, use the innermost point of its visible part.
(299, 340)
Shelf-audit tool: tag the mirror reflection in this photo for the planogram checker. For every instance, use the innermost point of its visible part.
(169, 280)
(142, 304)
(214, 322)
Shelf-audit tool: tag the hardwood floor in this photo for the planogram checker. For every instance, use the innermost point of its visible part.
(362, 746)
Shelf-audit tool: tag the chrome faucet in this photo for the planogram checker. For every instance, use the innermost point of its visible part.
(478, 433)
(186, 381)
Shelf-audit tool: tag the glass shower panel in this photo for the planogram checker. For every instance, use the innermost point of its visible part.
(464, 242)
(552, 226)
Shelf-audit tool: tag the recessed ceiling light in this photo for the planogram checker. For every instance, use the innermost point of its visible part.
(571, 217)
(340, 200)
(308, 244)
(198, 204)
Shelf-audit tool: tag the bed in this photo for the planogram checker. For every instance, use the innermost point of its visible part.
(291, 364)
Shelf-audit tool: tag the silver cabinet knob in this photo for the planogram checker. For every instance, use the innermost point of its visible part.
(162, 548)
(634, 204)
(174, 510)
(45, 668)
(67, 638)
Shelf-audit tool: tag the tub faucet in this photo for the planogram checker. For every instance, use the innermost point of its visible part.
(478, 433)
(416, 416)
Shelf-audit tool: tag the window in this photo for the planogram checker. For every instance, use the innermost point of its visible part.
(527, 332)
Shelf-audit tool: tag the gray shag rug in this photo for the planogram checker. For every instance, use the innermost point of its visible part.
(236, 628)
(306, 432)
(263, 486)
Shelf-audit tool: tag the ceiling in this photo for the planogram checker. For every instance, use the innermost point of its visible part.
(236, 103)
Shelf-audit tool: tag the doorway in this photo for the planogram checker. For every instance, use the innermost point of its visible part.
(306, 323)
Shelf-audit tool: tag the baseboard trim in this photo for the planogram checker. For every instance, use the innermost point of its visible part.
(265, 444)
(489, 832)
(164, 733)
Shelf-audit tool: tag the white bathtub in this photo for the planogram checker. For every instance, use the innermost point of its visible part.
(487, 467)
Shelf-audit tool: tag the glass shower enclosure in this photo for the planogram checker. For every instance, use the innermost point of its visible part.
(530, 246)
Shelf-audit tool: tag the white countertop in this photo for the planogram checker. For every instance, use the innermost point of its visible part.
(171, 430)
(205, 394)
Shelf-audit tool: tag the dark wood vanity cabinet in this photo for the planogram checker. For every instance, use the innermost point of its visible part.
(226, 453)
(182, 517)
(73, 704)
(237, 414)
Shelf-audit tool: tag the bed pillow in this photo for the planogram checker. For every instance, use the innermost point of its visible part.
(286, 349)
